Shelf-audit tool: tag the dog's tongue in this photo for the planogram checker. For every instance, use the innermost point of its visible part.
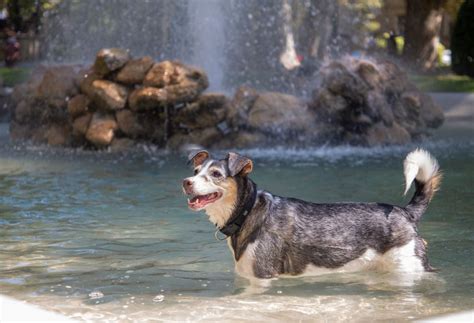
(198, 202)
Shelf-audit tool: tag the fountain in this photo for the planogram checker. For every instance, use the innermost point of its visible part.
(255, 44)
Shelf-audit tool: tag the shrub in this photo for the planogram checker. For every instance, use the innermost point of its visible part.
(462, 40)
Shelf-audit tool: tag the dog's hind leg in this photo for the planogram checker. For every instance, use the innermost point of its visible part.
(404, 264)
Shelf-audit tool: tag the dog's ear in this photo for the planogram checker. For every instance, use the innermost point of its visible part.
(239, 165)
(198, 157)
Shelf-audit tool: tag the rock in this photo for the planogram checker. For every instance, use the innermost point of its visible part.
(109, 60)
(240, 105)
(24, 112)
(81, 124)
(241, 139)
(182, 83)
(150, 98)
(38, 135)
(378, 108)
(109, 95)
(27, 91)
(101, 129)
(58, 135)
(329, 106)
(341, 81)
(204, 137)
(57, 85)
(163, 74)
(86, 79)
(369, 72)
(207, 111)
(379, 134)
(147, 98)
(153, 123)
(134, 71)
(78, 105)
(431, 113)
(168, 73)
(394, 79)
(129, 124)
(279, 113)
(121, 145)
(412, 104)
(19, 132)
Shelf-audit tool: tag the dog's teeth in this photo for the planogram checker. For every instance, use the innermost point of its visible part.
(197, 200)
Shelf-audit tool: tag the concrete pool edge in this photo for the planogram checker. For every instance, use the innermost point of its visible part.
(12, 310)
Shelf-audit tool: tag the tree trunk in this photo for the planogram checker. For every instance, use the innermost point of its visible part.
(422, 27)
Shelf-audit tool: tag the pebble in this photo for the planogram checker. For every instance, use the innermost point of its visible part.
(96, 294)
(159, 298)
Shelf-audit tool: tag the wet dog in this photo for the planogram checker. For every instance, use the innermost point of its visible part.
(271, 236)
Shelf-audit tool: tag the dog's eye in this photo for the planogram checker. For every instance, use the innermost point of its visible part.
(216, 174)
(196, 171)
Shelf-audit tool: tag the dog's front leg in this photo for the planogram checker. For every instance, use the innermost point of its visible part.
(257, 286)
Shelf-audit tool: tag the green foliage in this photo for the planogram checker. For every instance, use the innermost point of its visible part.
(462, 40)
(15, 75)
(443, 83)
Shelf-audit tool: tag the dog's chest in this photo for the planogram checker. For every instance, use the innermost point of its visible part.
(245, 265)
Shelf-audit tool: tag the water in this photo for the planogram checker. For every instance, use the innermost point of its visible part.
(104, 236)
(253, 42)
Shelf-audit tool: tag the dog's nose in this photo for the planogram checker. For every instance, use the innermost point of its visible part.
(187, 183)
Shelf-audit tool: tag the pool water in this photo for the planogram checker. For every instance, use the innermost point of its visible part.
(101, 236)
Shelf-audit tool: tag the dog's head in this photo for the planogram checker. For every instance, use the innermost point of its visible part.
(214, 186)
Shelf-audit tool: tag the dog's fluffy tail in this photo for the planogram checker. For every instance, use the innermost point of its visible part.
(421, 167)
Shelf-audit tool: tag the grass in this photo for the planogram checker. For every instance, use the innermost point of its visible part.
(14, 75)
(443, 83)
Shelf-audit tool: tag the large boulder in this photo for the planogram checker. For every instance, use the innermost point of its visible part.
(207, 111)
(58, 135)
(109, 60)
(394, 79)
(134, 71)
(240, 105)
(109, 95)
(279, 113)
(57, 85)
(19, 132)
(81, 124)
(203, 137)
(78, 105)
(182, 83)
(379, 134)
(101, 129)
(429, 111)
(129, 123)
(147, 98)
(369, 73)
(86, 79)
(340, 80)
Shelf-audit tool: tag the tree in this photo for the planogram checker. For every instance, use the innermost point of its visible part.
(25, 15)
(462, 40)
(422, 27)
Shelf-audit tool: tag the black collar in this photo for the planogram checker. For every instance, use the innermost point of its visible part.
(234, 226)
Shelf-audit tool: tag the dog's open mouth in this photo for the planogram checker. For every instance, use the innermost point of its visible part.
(200, 201)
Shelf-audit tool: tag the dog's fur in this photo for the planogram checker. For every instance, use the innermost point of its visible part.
(287, 236)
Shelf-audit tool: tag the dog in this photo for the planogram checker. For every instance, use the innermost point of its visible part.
(272, 236)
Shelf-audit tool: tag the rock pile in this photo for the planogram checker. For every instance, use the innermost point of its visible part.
(120, 101)
(364, 103)
(116, 101)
